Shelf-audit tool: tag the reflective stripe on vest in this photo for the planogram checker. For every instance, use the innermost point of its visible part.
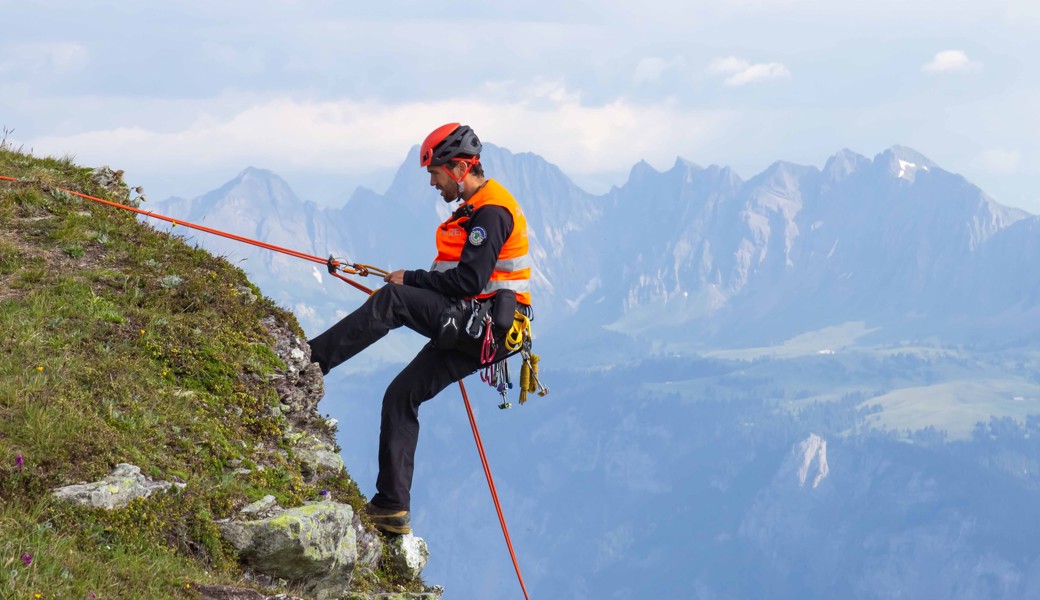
(503, 264)
(513, 267)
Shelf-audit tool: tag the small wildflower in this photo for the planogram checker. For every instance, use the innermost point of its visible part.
(39, 368)
(91, 595)
(27, 559)
(19, 461)
(325, 494)
(187, 585)
(142, 332)
(37, 596)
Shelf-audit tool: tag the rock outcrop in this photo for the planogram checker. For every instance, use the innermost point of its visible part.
(408, 555)
(320, 546)
(314, 544)
(125, 484)
(227, 592)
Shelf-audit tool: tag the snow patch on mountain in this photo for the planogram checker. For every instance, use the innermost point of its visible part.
(907, 170)
(813, 451)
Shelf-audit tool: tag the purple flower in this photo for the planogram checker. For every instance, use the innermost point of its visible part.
(27, 559)
(91, 595)
(325, 493)
(19, 462)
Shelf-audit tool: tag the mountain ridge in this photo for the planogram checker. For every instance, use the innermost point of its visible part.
(700, 247)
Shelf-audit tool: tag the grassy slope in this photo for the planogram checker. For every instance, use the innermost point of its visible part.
(906, 388)
(123, 344)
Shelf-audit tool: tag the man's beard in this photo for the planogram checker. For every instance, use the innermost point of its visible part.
(450, 195)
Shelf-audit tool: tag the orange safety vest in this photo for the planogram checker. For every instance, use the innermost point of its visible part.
(513, 268)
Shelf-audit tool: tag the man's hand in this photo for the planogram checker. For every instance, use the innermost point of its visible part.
(395, 277)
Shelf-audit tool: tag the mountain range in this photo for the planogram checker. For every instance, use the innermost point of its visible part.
(690, 253)
(813, 383)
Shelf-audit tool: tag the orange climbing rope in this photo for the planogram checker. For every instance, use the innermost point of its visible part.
(334, 267)
(491, 485)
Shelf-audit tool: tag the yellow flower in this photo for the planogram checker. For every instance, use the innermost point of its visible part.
(142, 332)
(40, 368)
(187, 585)
(37, 596)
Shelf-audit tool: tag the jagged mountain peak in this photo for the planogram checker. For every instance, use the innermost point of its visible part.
(909, 154)
(844, 163)
(722, 173)
(904, 162)
(640, 171)
(783, 166)
(254, 183)
(782, 174)
(685, 165)
(256, 172)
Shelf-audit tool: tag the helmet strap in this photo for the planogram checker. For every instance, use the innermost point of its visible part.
(459, 180)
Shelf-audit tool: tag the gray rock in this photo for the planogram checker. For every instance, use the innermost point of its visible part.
(247, 294)
(434, 593)
(369, 545)
(264, 507)
(408, 555)
(300, 385)
(115, 491)
(314, 545)
(227, 592)
(315, 454)
(113, 183)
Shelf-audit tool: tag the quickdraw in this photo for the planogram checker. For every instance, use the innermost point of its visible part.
(497, 376)
(517, 339)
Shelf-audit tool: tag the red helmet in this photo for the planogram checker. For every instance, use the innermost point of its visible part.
(448, 142)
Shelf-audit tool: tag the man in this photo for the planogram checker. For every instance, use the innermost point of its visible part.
(481, 249)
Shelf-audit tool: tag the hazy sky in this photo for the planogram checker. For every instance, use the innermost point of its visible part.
(185, 94)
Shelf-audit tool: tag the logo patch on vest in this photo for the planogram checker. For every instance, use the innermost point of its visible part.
(477, 236)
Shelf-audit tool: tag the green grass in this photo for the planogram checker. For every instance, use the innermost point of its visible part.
(955, 406)
(124, 344)
(824, 341)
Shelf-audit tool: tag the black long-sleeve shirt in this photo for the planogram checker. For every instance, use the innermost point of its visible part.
(477, 262)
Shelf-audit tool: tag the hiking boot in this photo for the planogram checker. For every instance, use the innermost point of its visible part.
(390, 520)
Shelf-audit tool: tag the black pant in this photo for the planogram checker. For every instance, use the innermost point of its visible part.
(432, 370)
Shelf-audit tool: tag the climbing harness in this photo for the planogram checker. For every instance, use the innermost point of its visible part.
(336, 268)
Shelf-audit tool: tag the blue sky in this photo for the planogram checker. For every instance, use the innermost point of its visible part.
(185, 94)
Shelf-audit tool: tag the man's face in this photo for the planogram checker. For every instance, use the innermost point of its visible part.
(440, 179)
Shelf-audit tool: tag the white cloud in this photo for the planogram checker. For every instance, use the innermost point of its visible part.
(351, 136)
(652, 68)
(950, 60)
(742, 72)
